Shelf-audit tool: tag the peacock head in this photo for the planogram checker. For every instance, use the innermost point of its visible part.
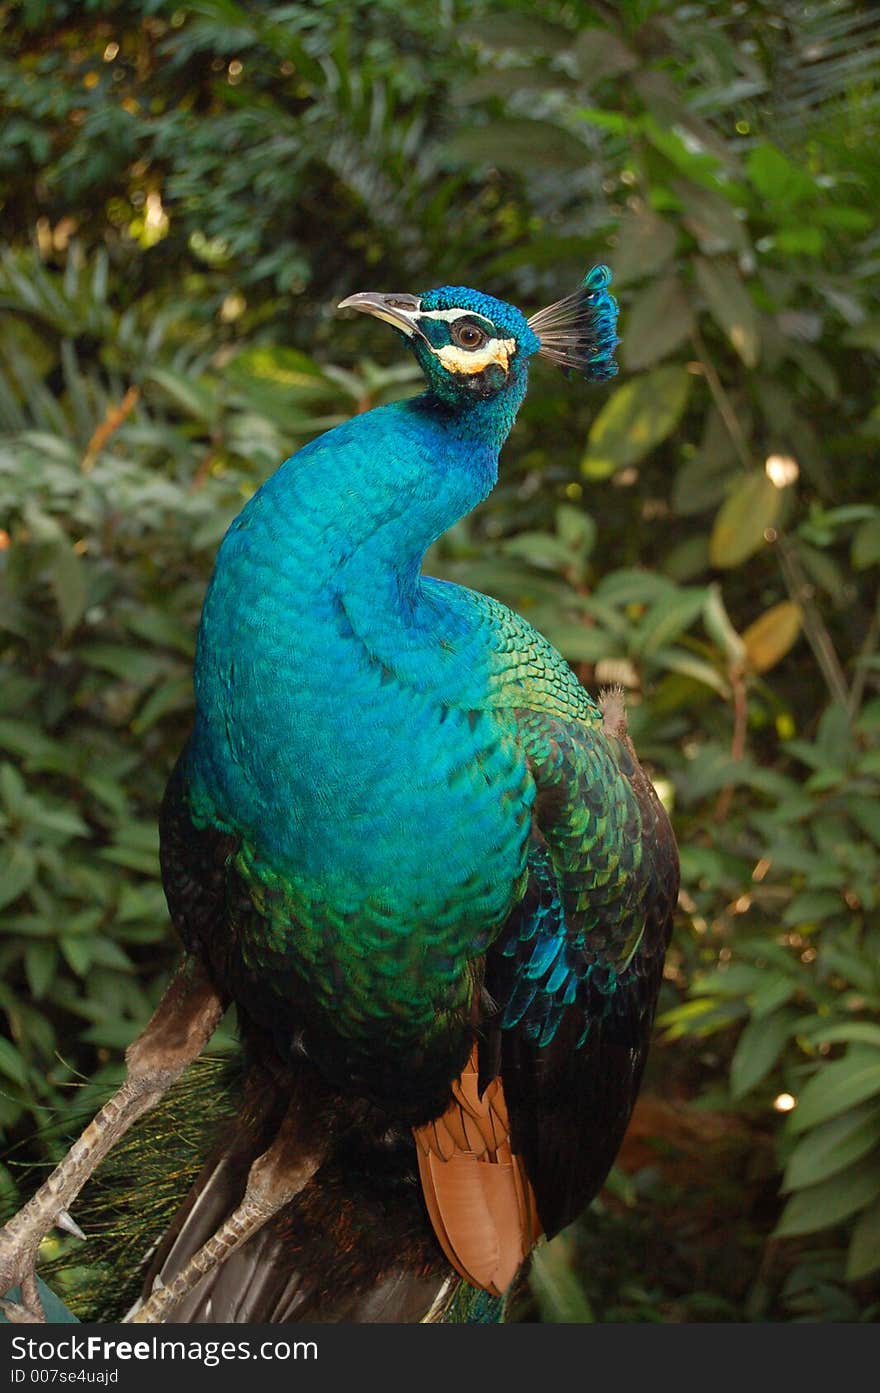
(472, 347)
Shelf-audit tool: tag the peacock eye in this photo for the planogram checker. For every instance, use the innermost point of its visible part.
(469, 336)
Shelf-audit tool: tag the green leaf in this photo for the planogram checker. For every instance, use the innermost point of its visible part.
(638, 416)
(599, 54)
(541, 549)
(30, 743)
(866, 544)
(581, 643)
(813, 906)
(645, 243)
(501, 82)
(803, 240)
(688, 559)
(758, 1049)
(832, 1147)
(781, 184)
(108, 954)
(835, 1087)
(558, 1290)
(199, 399)
(124, 662)
(863, 1257)
(42, 528)
(515, 143)
(77, 952)
(132, 859)
(865, 813)
(711, 220)
(164, 629)
(774, 991)
(112, 1035)
(831, 1201)
(702, 480)
(632, 585)
(17, 870)
(108, 791)
(518, 31)
(742, 519)
(731, 305)
(848, 1033)
(739, 979)
(817, 368)
(281, 365)
(719, 626)
(864, 335)
(11, 1063)
(62, 821)
(659, 319)
(700, 1017)
(211, 531)
(68, 578)
(668, 619)
(13, 793)
(40, 960)
(613, 121)
(678, 661)
(841, 215)
(174, 695)
(679, 147)
(855, 967)
(576, 529)
(824, 570)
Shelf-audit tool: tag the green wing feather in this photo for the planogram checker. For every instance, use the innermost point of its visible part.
(576, 970)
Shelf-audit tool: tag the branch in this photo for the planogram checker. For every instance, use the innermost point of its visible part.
(112, 421)
(799, 589)
(738, 742)
(857, 690)
(722, 401)
(817, 635)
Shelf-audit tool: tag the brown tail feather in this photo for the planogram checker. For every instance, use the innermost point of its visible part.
(478, 1194)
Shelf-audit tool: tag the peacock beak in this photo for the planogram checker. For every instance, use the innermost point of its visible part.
(399, 310)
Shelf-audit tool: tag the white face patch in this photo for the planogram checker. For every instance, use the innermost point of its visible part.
(450, 316)
(461, 360)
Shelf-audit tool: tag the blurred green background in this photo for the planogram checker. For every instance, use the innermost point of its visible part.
(187, 190)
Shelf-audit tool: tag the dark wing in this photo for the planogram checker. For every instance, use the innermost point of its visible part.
(576, 972)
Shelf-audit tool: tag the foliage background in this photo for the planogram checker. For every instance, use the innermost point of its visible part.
(187, 191)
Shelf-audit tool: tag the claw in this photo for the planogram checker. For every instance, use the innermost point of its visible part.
(64, 1221)
(181, 1025)
(274, 1179)
(27, 1311)
(17, 1314)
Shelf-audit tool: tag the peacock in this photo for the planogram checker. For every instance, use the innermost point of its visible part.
(424, 864)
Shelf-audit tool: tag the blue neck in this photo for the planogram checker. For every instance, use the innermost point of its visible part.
(488, 421)
(372, 495)
(316, 618)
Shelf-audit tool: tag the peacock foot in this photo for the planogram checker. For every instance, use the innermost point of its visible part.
(19, 1246)
(275, 1178)
(29, 1309)
(183, 1022)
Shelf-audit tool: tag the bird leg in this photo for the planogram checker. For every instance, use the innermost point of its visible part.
(183, 1022)
(274, 1179)
(28, 1311)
